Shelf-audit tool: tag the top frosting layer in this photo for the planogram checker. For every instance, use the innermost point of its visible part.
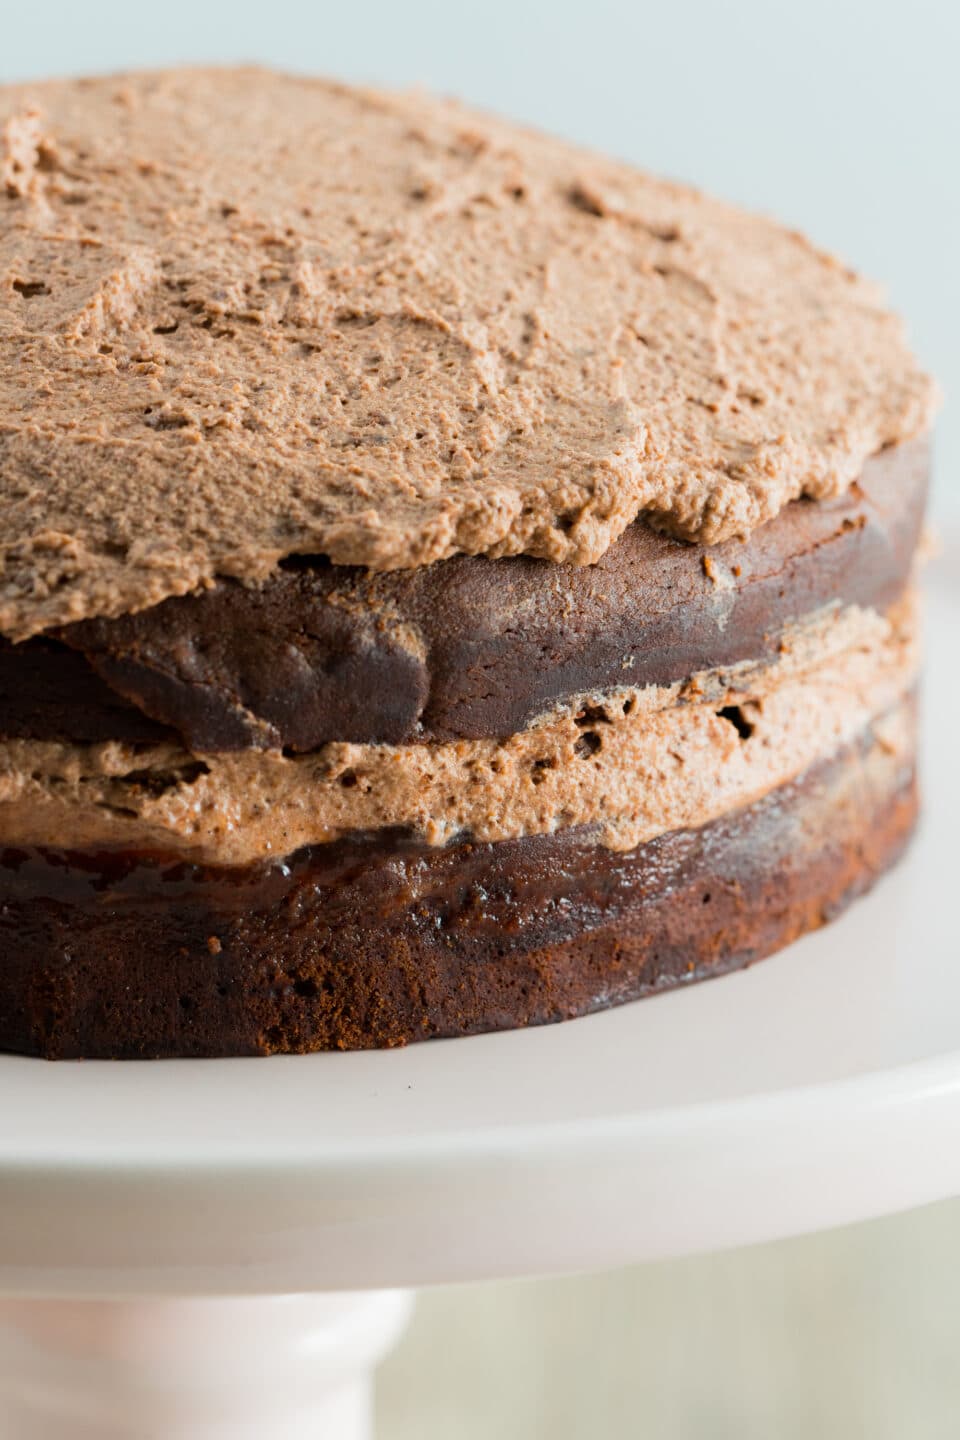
(244, 316)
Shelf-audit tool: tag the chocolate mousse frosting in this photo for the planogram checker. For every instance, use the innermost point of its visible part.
(448, 580)
(464, 649)
(629, 763)
(246, 316)
(366, 942)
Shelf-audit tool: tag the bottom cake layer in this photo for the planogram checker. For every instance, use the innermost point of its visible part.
(379, 941)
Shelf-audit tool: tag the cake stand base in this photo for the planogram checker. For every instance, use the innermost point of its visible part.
(819, 1088)
(283, 1367)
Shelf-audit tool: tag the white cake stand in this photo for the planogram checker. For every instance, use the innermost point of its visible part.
(819, 1088)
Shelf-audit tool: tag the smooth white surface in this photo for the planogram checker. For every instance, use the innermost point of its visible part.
(294, 1367)
(823, 1086)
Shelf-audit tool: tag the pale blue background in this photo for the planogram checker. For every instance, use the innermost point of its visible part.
(842, 117)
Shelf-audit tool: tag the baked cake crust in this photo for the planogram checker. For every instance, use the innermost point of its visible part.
(464, 649)
(380, 941)
(448, 580)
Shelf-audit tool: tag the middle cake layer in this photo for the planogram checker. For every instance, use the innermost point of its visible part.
(630, 762)
(467, 649)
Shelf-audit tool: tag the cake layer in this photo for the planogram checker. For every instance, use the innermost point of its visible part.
(630, 763)
(380, 941)
(469, 648)
(245, 315)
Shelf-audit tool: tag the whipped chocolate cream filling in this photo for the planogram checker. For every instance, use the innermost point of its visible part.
(469, 648)
(633, 763)
(379, 940)
(246, 316)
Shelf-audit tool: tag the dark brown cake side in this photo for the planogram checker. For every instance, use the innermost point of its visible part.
(448, 580)
(471, 647)
(380, 941)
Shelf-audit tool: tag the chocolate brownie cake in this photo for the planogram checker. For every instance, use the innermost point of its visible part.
(448, 580)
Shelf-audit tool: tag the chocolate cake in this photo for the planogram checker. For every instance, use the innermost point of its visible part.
(448, 580)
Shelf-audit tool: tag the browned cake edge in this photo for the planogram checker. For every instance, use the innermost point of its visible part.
(468, 648)
(379, 941)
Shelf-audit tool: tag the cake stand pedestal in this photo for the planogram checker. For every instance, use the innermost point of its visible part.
(307, 1194)
(269, 1368)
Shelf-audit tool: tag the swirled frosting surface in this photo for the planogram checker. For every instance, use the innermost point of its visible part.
(245, 315)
